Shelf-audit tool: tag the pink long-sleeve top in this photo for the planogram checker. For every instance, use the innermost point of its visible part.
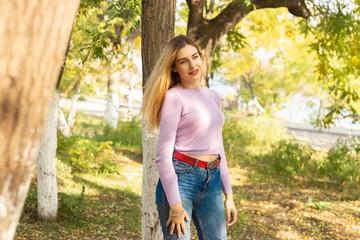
(191, 123)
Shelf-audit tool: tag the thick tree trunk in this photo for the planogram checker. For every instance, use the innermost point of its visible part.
(151, 228)
(111, 116)
(46, 166)
(158, 22)
(34, 37)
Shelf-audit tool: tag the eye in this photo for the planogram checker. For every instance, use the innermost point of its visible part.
(196, 56)
(183, 61)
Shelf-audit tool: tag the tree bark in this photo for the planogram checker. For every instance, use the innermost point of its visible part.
(208, 32)
(46, 166)
(34, 37)
(158, 23)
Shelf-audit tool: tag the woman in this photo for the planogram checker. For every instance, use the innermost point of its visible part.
(190, 156)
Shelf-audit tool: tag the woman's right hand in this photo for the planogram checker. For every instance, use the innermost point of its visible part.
(176, 219)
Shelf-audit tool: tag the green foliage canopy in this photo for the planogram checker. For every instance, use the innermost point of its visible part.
(335, 26)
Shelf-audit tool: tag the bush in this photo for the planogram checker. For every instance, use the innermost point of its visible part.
(343, 163)
(87, 154)
(127, 134)
(246, 138)
(289, 157)
(98, 153)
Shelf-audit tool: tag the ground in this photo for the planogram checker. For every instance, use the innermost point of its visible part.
(269, 207)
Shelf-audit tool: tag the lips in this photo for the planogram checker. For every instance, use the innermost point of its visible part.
(196, 71)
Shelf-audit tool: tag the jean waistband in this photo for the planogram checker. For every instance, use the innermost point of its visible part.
(204, 164)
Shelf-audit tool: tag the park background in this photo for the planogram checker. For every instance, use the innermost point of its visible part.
(304, 70)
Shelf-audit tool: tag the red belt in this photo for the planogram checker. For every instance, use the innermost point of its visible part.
(208, 165)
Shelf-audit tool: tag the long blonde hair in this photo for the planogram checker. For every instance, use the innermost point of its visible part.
(161, 79)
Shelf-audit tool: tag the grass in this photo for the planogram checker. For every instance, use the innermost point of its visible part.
(272, 202)
(98, 188)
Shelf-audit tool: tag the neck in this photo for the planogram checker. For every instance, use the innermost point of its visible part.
(195, 85)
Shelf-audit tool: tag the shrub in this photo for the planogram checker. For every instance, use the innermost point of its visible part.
(246, 138)
(343, 162)
(86, 154)
(126, 134)
(289, 157)
(98, 152)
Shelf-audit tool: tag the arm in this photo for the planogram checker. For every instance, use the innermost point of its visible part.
(231, 212)
(170, 116)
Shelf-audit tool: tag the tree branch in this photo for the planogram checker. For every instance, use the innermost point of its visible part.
(295, 7)
(207, 33)
(230, 16)
(233, 14)
(209, 10)
(196, 11)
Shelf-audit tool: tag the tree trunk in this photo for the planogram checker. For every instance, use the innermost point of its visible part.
(130, 96)
(63, 126)
(238, 96)
(74, 101)
(158, 22)
(111, 116)
(34, 37)
(151, 228)
(46, 166)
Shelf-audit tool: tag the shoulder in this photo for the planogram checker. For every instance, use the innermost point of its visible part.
(173, 98)
(173, 93)
(215, 95)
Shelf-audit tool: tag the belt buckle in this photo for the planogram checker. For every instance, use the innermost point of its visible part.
(211, 165)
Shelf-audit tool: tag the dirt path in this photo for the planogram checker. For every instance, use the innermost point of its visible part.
(272, 208)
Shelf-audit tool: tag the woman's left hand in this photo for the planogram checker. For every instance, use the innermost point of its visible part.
(231, 212)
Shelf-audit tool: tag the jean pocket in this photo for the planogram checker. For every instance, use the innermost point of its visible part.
(181, 167)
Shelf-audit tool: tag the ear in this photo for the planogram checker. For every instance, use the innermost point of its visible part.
(174, 69)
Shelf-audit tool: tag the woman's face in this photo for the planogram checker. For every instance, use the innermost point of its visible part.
(188, 65)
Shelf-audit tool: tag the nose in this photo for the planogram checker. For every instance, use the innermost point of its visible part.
(191, 64)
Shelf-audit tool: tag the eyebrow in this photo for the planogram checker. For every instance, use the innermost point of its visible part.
(185, 58)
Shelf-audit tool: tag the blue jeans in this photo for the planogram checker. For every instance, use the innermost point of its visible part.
(201, 197)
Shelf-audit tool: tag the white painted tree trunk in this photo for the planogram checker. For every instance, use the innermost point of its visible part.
(130, 97)
(34, 38)
(63, 126)
(239, 100)
(73, 109)
(151, 228)
(47, 196)
(157, 28)
(131, 84)
(111, 117)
